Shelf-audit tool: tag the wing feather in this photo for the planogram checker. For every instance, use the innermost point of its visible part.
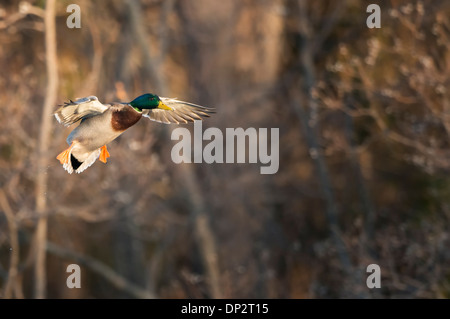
(172, 118)
(182, 112)
(73, 111)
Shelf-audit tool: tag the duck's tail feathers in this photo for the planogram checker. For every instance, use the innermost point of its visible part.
(74, 165)
(73, 111)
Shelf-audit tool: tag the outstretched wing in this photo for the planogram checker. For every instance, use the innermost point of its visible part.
(72, 112)
(182, 112)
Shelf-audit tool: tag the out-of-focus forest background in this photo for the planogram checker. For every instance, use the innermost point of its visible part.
(364, 119)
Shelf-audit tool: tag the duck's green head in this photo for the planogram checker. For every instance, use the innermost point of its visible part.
(148, 101)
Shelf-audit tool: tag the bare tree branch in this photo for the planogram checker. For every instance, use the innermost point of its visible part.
(44, 137)
(101, 269)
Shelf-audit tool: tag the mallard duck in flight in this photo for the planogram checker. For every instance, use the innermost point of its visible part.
(102, 123)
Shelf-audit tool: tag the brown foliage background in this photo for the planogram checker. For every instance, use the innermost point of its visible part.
(364, 119)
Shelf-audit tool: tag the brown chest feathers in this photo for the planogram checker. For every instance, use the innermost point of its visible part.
(124, 117)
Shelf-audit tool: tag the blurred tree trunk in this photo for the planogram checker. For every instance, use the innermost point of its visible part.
(206, 241)
(13, 286)
(308, 116)
(368, 235)
(128, 249)
(140, 36)
(42, 163)
(191, 185)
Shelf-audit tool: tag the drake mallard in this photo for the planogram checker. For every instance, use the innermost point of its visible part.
(102, 123)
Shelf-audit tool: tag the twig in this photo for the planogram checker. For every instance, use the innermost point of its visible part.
(28, 8)
(13, 18)
(25, 9)
(101, 269)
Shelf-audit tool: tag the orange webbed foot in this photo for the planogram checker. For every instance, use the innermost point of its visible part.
(104, 154)
(63, 157)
